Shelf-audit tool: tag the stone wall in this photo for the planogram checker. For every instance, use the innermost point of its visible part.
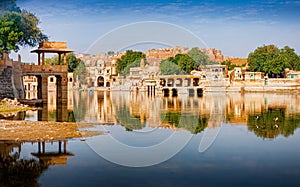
(11, 84)
(154, 56)
(215, 55)
(6, 85)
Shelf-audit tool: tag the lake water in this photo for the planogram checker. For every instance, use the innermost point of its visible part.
(215, 140)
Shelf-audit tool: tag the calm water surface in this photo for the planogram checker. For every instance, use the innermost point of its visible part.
(231, 140)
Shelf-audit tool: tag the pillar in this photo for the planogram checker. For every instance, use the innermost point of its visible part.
(39, 147)
(43, 114)
(59, 58)
(42, 88)
(39, 59)
(43, 58)
(39, 87)
(62, 97)
(65, 146)
(59, 146)
(43, 147)
(65, 59)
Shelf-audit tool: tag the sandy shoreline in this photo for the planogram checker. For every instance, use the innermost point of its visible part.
(41, 131)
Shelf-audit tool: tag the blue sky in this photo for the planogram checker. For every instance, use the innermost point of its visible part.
(235, 27)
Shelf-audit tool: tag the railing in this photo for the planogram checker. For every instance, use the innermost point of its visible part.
(44, 68)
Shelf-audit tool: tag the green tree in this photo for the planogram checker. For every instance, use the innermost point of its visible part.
(186, 63)
(80, 73)
(199, 57)
(71, 59)
(290, 58)
(129, 59)
(18, 28)
(10, 34)
(169, 67)
(111, 53)
(229, 64)
(271, 60)
(261, 57)
(275, 65)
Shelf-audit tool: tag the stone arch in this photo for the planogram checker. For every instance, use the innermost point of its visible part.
(100, 81)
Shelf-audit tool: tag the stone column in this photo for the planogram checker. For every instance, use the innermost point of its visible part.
(43, 114)
(39, 87)
(59, 58)
(43, 58)
(62, 97)
(65, 59)
(39, 58)
(44, 86)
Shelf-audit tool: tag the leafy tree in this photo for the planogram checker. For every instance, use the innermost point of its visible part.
(199, 57)
(229, 65)
(71, 59)
(111, 53)
(262, 56)
(130, 58)
(10, 33)
(186, 63)
(80, 73)
(169, 67)
(275, 65)
(290, 58)
(18, 28)
(271, 60)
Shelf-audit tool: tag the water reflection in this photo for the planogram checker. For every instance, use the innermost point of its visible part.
(136, 111)
(53, 111)
(273, 122)
(18, 170)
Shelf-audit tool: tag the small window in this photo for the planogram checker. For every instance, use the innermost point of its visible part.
(51, 79)
(107, 71)
(70, 80)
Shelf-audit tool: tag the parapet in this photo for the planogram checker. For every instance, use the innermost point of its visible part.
(53, 45)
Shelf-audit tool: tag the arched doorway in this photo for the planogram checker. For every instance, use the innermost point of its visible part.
(100, 81)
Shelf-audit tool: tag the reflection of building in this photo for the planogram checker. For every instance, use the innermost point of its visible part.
(7, 148)
(218, 108)
(30, 83)
(53, 158)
